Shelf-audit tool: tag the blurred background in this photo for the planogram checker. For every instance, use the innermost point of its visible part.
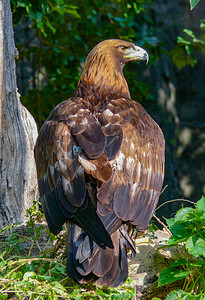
(54, 37)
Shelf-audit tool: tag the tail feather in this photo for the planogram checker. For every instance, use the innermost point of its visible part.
(86, 218)
(88, 262)
(75, 270)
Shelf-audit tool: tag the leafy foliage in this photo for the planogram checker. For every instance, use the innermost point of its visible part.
(44, 276)
(181, 295)
(184, 53)
(188, 235)
(62, 32)
(39, 12)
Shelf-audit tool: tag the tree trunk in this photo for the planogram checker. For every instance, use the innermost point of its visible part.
(18, 130)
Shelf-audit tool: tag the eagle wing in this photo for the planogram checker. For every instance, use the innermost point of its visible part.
(138, 167)
(69, 132)
(107, 159)
(99, 166)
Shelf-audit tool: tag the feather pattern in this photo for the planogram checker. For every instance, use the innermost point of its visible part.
(100, 166)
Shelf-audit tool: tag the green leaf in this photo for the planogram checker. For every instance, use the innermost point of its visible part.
(170, 222)
(181, 213)
(181, 40)
(191, 61)
(3, 296)
(189, 49)
(28, 275)
(176, 295)
(198, 263)
(195, 40)
(137, 7)
(202, 25)
(174, 240)
(181, 295)
(196, 246)
(181, 230)
(189, 33)
(179, 262)
(170, 274)
(179, 57)
(193, 3)
(201, 203)
(19, 275)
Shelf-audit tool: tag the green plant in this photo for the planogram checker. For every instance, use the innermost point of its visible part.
(43, 277)
(60, 33)
(184, 53)
(188, 235)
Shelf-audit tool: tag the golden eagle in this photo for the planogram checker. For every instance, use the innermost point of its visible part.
(100, 164)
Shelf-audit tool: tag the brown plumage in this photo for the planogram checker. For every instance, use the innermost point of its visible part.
(100, 164)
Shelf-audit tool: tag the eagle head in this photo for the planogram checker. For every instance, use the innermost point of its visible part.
(118, 50)
(103, 71)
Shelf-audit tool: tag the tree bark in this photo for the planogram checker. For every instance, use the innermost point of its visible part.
(18, 131)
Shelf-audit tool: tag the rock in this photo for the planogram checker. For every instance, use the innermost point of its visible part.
(148, 264)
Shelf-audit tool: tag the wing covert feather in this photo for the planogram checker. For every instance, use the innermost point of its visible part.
(120, 145)
(61, 176)
(138, 167)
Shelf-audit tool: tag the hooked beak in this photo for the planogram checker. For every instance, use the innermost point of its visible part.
(136, 53)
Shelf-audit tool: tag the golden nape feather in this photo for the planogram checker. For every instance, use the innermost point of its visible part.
(100, 164)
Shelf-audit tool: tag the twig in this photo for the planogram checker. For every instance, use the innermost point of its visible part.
(27, 44)
(33, 293)
(158, 220)
(39, 248)
(164, 188)
(27, 261)
(30, 250)
(174, 200)
(47, 244)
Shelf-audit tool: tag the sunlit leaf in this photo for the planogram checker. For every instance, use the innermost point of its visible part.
(176, 295)
(28, 275)
(174, 240)
(170, 274)
(170, 222)
(189, 32)
(181, 40)
(193, 3)
(202, 25)
(195, 40)
(181, 213)
(198, 263)
(201, 203)
(196, 246)
(181, 295)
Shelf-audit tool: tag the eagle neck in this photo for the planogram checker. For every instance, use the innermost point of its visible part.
(101, 82)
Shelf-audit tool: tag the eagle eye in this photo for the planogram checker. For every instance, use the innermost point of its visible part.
(123, 48)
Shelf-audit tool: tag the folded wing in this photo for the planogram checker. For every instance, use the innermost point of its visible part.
(138, 167)
(71, 132)
(99, 167)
